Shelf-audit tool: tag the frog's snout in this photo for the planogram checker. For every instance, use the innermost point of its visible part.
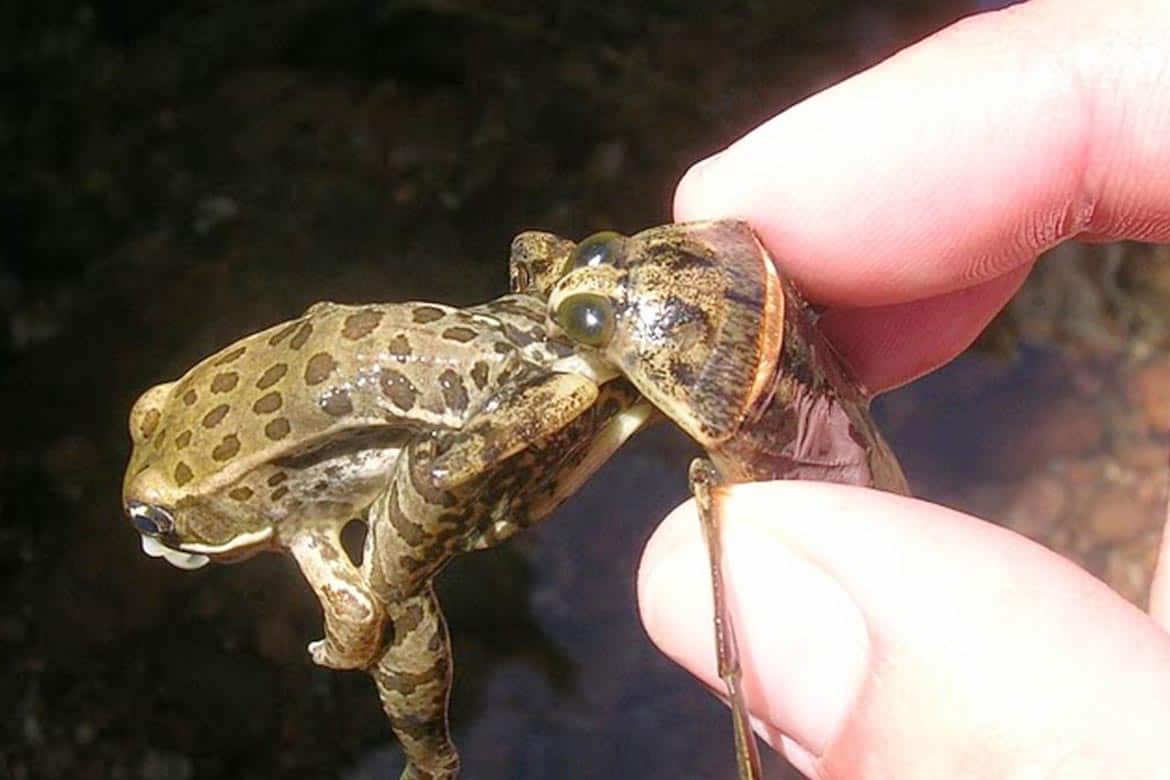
(155, 523)
(150, 520)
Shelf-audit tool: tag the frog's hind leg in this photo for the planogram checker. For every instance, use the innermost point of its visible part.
(413, 676)
(705, 481)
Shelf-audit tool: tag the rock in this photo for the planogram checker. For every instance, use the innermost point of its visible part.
(1116, 514)
(1149, 390)
(1037, 507)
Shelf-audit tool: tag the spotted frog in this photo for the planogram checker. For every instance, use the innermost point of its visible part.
(443, 429)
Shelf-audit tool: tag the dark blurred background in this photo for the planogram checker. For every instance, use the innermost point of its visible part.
(177, 175)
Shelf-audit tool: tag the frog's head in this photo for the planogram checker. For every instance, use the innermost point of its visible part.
(691, 313)
(538, 260)
(179, 512)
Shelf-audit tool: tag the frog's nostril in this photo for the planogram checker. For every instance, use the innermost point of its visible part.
(149, 519)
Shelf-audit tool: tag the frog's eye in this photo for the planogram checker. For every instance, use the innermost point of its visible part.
(587, 318)
(604, 248)
(151, 520)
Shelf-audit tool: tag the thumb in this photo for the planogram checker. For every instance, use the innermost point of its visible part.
(884, 636)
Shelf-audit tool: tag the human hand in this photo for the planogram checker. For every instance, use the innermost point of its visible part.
(884, 636)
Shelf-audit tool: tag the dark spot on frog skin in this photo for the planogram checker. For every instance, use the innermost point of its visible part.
(284, 333)
(399, 348)
(417, 728)
(183, 474)
(190, 397)
(182, 440)
(149, 423)
(406, 529)
(398, 389)
(242, 493)
(229, 357)
(561, 348)
(302, 335)
(425, 314)
(279, 493)
(273, 375)
(215, 416)
(479, 374)
(454, 391)
(267, 404)
(337, 403)
(224, 382)
(361, 324)
(459, 334)
(410, 564)
(227, 449)
(522, 338)
(517, 309)
(277, 429)
(411, 617)
(319, 367)
(277, 478)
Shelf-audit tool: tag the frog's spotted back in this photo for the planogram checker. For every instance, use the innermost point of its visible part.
(289, 387)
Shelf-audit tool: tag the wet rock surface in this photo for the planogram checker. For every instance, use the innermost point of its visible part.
(175, 176)
(1059, 425)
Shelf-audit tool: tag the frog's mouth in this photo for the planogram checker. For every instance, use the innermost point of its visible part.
(194, 555)
(177, 558)
(589, 364)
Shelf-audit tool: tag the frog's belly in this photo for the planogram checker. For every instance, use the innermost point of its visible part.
(335, 482)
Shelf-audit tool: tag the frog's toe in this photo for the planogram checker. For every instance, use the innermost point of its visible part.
(325, 655)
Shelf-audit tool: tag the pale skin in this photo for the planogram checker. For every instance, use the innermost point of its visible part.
(889, 637)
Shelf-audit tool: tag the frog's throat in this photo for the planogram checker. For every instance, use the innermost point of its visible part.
(591, 365)
(181, 560)
(236, 543)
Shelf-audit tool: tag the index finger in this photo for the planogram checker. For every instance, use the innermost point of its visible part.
(950, 166)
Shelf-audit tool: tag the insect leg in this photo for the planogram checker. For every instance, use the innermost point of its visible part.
(705, 482)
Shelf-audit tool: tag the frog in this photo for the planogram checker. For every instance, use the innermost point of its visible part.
(442, 429)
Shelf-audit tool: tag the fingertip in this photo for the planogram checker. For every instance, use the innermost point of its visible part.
(803, 643)
(698, 194)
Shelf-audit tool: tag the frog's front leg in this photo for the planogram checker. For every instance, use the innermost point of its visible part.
(413, 676)
(431, 509)
(354, 617)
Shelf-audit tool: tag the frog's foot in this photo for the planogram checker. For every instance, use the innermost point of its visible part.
(354, 616)
(324, 654)
(413, 676)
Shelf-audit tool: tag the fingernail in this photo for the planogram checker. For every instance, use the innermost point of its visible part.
(803, 641)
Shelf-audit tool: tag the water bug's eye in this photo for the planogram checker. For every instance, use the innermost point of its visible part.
(151, 520)
(598, 249)
(587, 318)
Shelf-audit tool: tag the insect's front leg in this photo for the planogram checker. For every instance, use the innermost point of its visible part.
(705, 486)
(354, 616)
